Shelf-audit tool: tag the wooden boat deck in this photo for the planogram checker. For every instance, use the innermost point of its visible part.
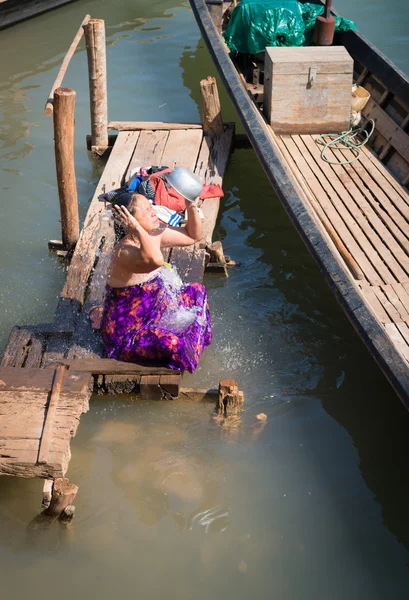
(32, 352)
(369, 211)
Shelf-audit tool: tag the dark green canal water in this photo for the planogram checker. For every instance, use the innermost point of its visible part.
(313, 505)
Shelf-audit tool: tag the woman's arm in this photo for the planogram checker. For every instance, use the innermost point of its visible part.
(184, 236)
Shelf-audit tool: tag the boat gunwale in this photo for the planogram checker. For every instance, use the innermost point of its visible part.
(314, 236)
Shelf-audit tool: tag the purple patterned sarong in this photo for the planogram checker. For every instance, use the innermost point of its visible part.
(159, 320)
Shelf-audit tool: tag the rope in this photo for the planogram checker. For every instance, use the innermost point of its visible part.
(345, 141)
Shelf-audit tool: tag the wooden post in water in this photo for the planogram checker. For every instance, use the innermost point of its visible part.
(212, 115)
(97, 73)
(64, 105)
(63, 495)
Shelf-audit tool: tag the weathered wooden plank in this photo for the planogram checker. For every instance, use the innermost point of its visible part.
(336, 180)
(84, 256)
(57, 385)
(391, 131)
(375, 160)
(109, 366)
(34, 353)
(182, 148)
(150, 125)
(374, 303)
(393, 297)
(397, 339)
(342, 227)
(148, 150)
(380, 203)
(16, 349)
(14, 379)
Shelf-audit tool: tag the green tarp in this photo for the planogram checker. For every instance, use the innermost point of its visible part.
(255, 24)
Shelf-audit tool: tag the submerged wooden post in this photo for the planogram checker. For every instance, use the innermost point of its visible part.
(64, 103)
(97, 73)
(64, 493)
(230, 399)
(212, 115)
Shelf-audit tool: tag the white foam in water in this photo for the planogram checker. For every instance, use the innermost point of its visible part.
(176, 318)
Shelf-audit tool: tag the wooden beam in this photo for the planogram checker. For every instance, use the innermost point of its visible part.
(211, 110)
(49, 105)
(152, 125)
(64, 105)
(110, 366)
(387, 127)
(44, 450)
(97, 75)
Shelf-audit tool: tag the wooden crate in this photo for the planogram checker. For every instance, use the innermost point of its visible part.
(308, 89)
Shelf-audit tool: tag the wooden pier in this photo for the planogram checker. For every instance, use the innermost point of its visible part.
(49, 371)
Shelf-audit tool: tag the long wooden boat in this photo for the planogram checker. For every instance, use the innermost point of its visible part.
(353, 218)
(15, 11)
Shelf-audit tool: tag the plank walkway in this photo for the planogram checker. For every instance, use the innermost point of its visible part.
(28, 367)
(369, 211)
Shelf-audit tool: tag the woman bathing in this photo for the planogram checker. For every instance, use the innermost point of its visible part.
(148, 314)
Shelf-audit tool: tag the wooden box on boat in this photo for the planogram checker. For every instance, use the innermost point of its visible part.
(308, 90)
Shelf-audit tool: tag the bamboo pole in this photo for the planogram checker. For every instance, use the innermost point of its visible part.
(48, 109)
(64, 103)
(97, 73)
(212, 115)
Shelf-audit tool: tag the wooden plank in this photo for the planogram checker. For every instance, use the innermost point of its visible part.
(376, 181)
(358, 251)
(402, 294)
(336, 181)
(109, 366)
(182, 148)
(27, 379)
(148, 150)
(381, 204)
(35, 353)
(393, 297)
(84, 256)
(16, 349)
(211, 166)
(374, 303)
(398, 187)
(387, 304)
(58, 381)
(151, 125)
(391, 131)
(397, 339)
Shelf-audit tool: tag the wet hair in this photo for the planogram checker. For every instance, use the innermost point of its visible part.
(130, 200)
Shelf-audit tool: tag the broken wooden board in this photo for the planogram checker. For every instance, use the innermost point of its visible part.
(30, 425)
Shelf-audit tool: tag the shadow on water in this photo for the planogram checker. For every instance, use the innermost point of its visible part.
(352, 388)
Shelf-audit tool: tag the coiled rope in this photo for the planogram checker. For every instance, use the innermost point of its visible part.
(347, 140)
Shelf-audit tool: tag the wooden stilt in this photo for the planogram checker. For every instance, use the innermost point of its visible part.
(97, 73)
(64, 493)
(64, 103)
(212, 116)
(47, 492)
(230, 398)
(217, 259)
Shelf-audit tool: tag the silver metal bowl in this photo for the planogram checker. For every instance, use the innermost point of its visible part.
(185, 182)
